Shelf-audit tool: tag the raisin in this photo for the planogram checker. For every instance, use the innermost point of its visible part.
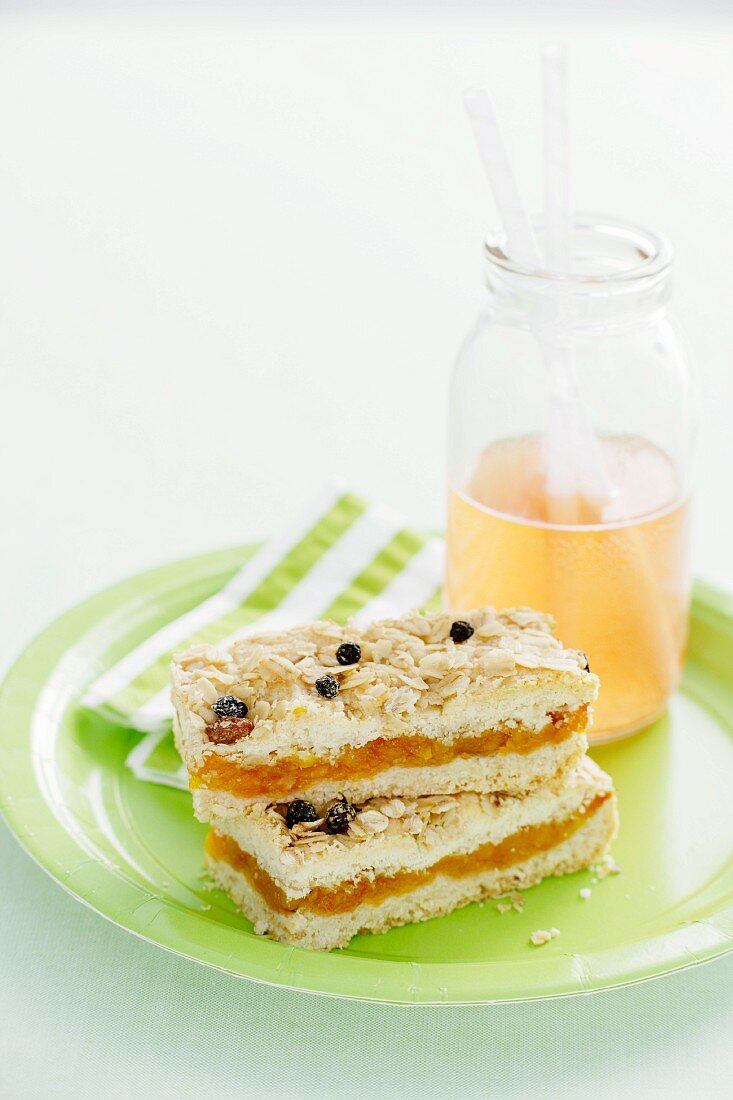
(461, 631)
(327, 686)
(228, 706)
(338, 816)
(348, 653)
(228, 730)
(298, 811)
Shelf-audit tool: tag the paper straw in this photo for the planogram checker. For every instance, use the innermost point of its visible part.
(520, 238)
(588, 471)
(522, 246)
(556, 147)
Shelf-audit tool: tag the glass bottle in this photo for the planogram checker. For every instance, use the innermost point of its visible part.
(569, 461)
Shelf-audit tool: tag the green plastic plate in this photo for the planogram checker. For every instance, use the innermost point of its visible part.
(133, 851)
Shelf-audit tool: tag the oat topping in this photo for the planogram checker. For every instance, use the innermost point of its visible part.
(585, 893)
(308, 832)
(404, 665)
(513, 902)
(543, 936)
(373, 821)
(607, 866)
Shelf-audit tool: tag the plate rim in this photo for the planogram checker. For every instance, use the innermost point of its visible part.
(19, 692)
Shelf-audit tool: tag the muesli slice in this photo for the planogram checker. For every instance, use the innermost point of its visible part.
(484, 700)
(315, 878)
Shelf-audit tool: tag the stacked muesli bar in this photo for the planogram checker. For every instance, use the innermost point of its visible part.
(356, 779)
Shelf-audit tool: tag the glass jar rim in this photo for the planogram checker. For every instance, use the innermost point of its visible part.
(653, 249)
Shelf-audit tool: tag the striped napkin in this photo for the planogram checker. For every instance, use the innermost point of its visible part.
(343, 558)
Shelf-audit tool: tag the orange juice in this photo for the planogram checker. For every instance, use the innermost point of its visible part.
(615, 580)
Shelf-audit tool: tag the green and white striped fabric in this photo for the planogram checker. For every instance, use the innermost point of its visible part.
(342, 559)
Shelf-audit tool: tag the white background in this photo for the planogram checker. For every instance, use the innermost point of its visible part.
(239, 251)
(239, 254)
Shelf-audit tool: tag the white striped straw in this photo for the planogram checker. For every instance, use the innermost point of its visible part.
(520, 238)
(522, 246)
(556, 146)
(573, 453)
(586, 461)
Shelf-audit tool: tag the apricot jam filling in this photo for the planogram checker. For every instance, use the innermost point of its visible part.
(517, 848)
(279, 780)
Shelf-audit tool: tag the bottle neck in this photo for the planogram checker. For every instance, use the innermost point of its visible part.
(619, 275)
(535, 302)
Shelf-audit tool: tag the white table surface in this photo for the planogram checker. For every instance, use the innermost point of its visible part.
(239, 252)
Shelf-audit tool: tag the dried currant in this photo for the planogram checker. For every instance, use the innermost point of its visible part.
(327, 686)
(228, 706)
(348, 653)
(461, 631)
(338, 816)
(300, 810)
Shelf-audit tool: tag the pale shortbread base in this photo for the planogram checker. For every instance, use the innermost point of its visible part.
(508, 773)
(316, 729)
(465, 822)
(436, 898)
